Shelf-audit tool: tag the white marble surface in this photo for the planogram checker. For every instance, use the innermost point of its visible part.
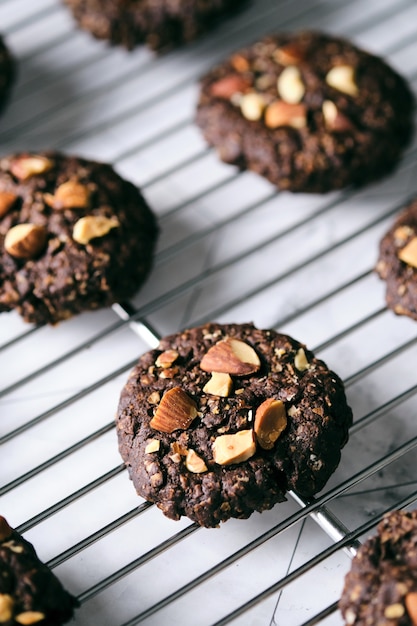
(231, 249)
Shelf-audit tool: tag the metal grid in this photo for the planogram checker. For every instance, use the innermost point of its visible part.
(232, 249)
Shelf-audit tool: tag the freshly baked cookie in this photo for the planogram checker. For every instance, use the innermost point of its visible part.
(74, 236)
(29, 592)
(157, 23)
(397, 263)
(308, 111)
(7, 72)
(381, 587)
(221, 420)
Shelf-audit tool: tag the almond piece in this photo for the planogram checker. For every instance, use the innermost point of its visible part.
(239, 63)
(270, 422)
(195, 463)
(93, 226)
(25, 167)
(228, 449)
(25, 241)
(280, 113)
(252, 106)
(231, 356)
(29, 617)
(300, 360)
(219, 385)
(290, 85)
(408, 254)
(5, 530)
(394, 611)
(335, 120)
(69, 195)
(152, 446)
(342, 78)
(7, 200)
(167, 358)
(176, 411)
(229, 85)
(6, 607)
(411, 606)
(289, 54)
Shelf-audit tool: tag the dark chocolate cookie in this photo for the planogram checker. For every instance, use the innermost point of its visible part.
(381, 587)
(157, 23)
(308, 111)
(221, 420)
(397, 263)
(7, 73)
(74, 236)
(29, 592)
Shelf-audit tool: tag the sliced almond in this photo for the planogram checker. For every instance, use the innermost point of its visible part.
(93, 226)
(175, 411)
(411, 606)
(239, 63)
(280, 113)
(231, 356)
(7, 200)
(290, 85)
(289, 54)
(342, 78)
(152, 446)
(219, 385)
(6, 607)
(335, 120)
(24, 167)
(25, 241)
(69, 195)
(29, 617)
(229, 85)
(252, 106)
(300, 360)
(270, 422)
(237, 448)
(408, 254)
(167, 358)
(195, 463)
(5, 530)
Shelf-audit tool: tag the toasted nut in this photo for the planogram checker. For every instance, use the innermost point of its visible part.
(394, 610)
(175, 411)
(7, 200)
(169, 372)
(25, 167)
(195, 463)
(290, 85)
(408, 254)
(231, 356)
(280, 113)
(270, 422)
(300, 361)
(167, 358)
(69, 195)
(5, 530)
(411, 606)
(289, 54)
(92, 226)
(177, 448)
(334, 119)
(152, 446)
(402, 233)
(239, 63)
(252, 106)
(342, 78)
(154, 397)
(227, 86)
(6, 607)
(25, 241)
(228, 449)
(218, 385)
(29, 617)
(13, 547)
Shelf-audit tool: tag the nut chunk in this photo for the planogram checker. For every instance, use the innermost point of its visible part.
(175, 411)
(270, 422)
(228, 449)
(231, 356)
(25, 241)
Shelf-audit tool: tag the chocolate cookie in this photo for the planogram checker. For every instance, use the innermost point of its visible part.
(221, 420)
(381, 587)
(397, 263)
(74, 236)
(29, 592)
(157, 23)
(308, 111)
(7, 72)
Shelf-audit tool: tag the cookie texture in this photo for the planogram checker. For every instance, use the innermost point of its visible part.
(29, 592)
(221, 420)
(381, 587)
(7, 72)
(308, 111)
(156, 23)
(74, 236)
(397, 263)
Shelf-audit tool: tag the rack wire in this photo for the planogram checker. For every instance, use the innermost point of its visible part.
(232, 249)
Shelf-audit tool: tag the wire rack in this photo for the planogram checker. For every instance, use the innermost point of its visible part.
(232, 249)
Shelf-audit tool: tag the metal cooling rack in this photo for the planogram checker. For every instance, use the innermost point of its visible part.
(232, 249)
